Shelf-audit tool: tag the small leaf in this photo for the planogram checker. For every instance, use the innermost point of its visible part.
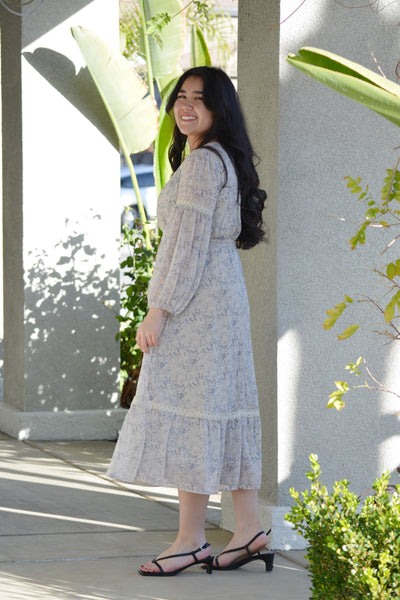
(356, 190)
(348, 299)
(342, 387)
(389, 311)
(354, 367)
(349, 331)
(384, 223)
(340, 307)
(391, 270)
(332, 312)
(329, 323)
(336, 401)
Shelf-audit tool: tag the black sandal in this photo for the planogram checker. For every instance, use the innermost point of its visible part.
(208, 562)
(267, 557)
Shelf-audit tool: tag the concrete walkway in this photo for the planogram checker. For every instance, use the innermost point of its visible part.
(68, 532)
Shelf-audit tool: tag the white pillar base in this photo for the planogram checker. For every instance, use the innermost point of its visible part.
(103, 424)
(283, 536)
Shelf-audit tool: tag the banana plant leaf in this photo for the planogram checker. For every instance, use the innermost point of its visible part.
(352, 80)
(165, 59)
(200, 55)
(163, 82)
(162, 168)
(132, 110)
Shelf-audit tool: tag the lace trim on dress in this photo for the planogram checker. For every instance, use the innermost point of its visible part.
(239, 414)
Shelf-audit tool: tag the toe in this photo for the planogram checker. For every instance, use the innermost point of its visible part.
(149, 567)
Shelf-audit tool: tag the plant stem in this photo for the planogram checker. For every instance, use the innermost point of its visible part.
(147, 50)
(146, 228)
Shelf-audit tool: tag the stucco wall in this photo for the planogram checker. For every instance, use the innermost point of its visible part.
(324, 137)
(61, 214)
(308, 139)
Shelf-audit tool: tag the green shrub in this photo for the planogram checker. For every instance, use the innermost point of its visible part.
(354, 551)
(136, 270)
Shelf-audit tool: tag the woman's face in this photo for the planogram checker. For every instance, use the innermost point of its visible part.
(192, 117)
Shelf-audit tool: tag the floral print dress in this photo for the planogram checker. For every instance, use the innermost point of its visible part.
(194, 423)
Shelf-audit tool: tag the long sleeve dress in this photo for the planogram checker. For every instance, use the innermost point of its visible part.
(194, 423)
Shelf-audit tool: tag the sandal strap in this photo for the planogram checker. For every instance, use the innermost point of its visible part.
(193, 553)
(245, 547)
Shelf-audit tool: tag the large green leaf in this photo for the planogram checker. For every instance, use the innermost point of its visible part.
(352, 80)
(164, 82)
(200, 55)
(162, 168)
(133, 112)
(165, 59)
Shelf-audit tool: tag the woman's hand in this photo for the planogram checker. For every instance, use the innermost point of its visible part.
(149, 330)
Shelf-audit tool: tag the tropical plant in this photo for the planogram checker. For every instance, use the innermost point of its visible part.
(203, 21)
(380, 216)
(382, 96)
(354, 551)
(129, 97)
(130, 101)
(132, 110)
(350, 79)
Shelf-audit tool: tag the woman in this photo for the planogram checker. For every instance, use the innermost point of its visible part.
(194, 423)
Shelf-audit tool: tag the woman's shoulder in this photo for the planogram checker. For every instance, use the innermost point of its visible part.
(213, 155)
(209, 157)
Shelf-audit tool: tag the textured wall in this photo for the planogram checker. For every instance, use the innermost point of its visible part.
(308, 138)
(61, 214)
(324, 137)
(258, 88)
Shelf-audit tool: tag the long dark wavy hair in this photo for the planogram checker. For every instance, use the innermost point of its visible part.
(229, 129)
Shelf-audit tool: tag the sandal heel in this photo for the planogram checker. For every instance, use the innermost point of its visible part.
(267, 557)
(268, 560)
(208, 563)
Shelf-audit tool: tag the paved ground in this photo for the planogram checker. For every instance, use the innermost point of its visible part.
(67, 532)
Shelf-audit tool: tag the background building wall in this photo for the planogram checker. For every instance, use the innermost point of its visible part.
(308, 266)
(61, 234)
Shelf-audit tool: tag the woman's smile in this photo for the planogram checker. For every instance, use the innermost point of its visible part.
(191, 115)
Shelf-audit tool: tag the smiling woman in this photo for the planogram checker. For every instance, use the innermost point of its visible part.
(191, 115)
(194, 423)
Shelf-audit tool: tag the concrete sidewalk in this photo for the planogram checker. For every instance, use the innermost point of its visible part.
(68, 532)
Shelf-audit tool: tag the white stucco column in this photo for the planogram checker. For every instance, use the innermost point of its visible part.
(61, 228)
(308, 138)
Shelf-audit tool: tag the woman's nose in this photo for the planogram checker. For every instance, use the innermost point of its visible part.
(186, 102)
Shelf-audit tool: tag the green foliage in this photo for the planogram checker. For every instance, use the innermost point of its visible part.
(352, 80)
(382, 96)
(370, 383)
(376, 210)
(136, 270)
(382, 215)
(202, 18)
(354, 551)
(132, 111)
(213, 24)
(335, 313)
